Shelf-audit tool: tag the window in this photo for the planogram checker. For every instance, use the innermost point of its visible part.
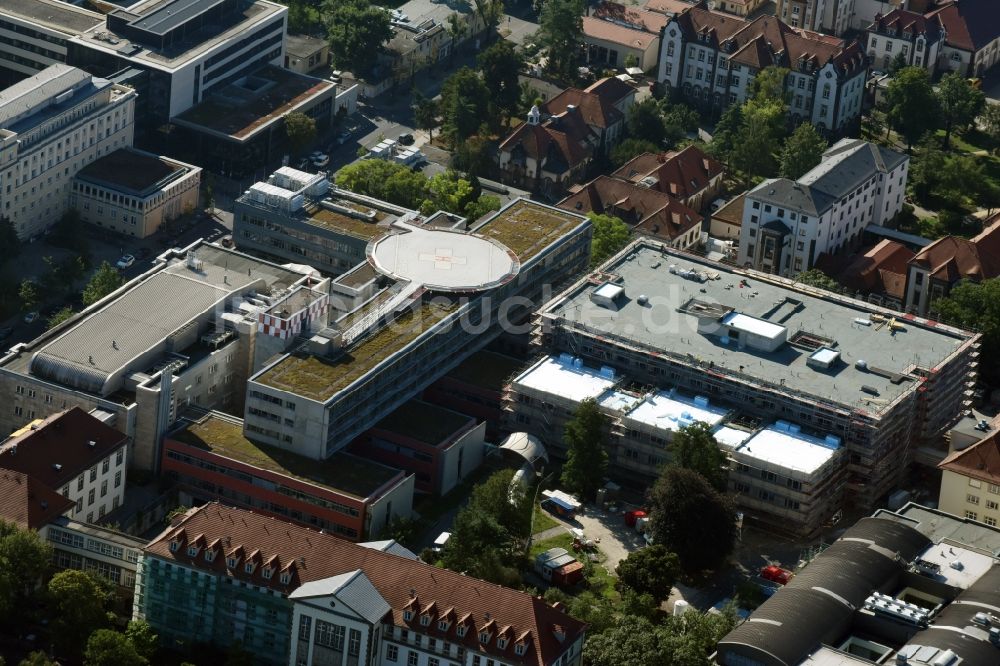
(407, 615)
(461, 631)
(329, 635)
(391, 653)
(992, 505)
(90, 497)
(425, 620)
(994, 488)
(118, 479)
(975, 483)
(412, 658)
(354, 643)
(519, 649)
(285, 577)
(104, 488)
(106, 465)
(120, 456)
(433, 661)
(193, 551)
(443, 625)
(971, 515)
(972, 499)
(992, 522)
(484, 637)
(304, 622)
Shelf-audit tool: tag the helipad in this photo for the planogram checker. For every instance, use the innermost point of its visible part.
(442, 260)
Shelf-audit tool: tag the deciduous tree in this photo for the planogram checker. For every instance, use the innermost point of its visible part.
(911, 105)
(425, 112)
(59, 316)
(301, 130)
(630, 148)
(959, 102)
(141, 635)
(24, 560)
(78, 601)
(561, 31)
(653, 570)
(501, 65)
(357, 31)
(464, 105)
(644, 121)
(976, 306)
(29, 295)
(610, 235)
(104, 281)
(803, 150)
(586, 457)
(110, 648)
(693, 447)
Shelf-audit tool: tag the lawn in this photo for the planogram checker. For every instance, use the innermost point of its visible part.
(543, 521)
(597, 580)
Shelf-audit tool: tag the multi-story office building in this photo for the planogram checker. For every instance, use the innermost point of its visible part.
(183, 49)
(291, 595)
(442, 294)
(345, 495)
(189, 331)
(52, 125)
(34, 35)
(75, 454)
(787, 223)
(134, 192)
(711, 58)
(772, 349)
(314, 223)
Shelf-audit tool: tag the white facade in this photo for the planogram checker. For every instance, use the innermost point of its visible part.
(806, 14)
(100, 489)
(918, 50)
(52, 125)
(29, 44)
(110, 554)
(863, 12)
(837, 16)
(788, 224)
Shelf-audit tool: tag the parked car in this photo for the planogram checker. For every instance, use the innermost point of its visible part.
(406, 139)
(126, 261)
(30, 317)
(343, 137)
(6, 332)
(321, 161)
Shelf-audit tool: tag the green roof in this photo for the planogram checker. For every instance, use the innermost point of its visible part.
(487, 369)
(319, 378)
(424, 422)
(351, 226)
(527, 227)
(342, 472)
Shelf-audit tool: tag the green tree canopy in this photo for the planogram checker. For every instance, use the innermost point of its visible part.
(110, 648)
(104, 281)
(67, 233)
(141, 635)
(37, 658)
(630, 148)
(959, 102)
(10, 244)
(769, 85)
(59, 316)
(425, 112)
(29, 295)
(990, 120)
(464, 105)
(501, 65)
(693, 447)
(690, 518)
(357, 31)
(653, 569)
(301, 130)
(561, 31)
(911, 105)
(685, 640)
(644, 122)
(727, 133)
(803, 150)
(586, 457)
(610, 235)
(817, 278)
(382, 179)
(759, 138)
(78, 601)
(898, 63)
(474, 157)
(977, 306)
(24, 560)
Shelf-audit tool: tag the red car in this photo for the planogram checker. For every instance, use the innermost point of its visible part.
(776, 574)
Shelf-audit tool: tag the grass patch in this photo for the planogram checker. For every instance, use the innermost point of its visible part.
(597, 580)
(543, 521)
(561, 541)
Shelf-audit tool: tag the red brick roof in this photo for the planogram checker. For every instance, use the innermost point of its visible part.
(561, 138)
(611, 89)
(970, 24)
(979, 461)
(669, 7)
(899, 21)
(27, 502)
(680, 174)
(596, 110)
(404, 583)
(882, 269)
(638, 17)
(634, 27)
(61, 448)
(953, 258)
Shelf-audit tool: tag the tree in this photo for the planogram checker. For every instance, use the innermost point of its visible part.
(301, 130)
(77, 600)
(911, 105)
(59, 317)
(389, 181)
(758, 138)
(693, 447)
(464, 105)
(143, 638)
(68, 233)
(28, 293)
(489, 12)
(586, 458)
(653, 569)
(817, 278)
(474, 157)
(630, 148)
(769, 85)
(990, 120)
(456, 30)
(610, 235)
(959, 102)
(501, 66)
(685, 640)
(448, 191)
(24, 560)
(976, 306)
(727, 133)
(425, 112)
(692, 519)
(561, 31)
(645, 122)
(803, 150)
(678, 121)
(37, 658)
(110, 648)
(356, 31)
(10, 244)
(898, 63)
(502, 498)
(104, 281)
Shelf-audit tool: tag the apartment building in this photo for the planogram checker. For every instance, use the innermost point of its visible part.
(442, 294)
(689, 175)
(346, 495)
(188, 331)
(787, 223)
(918, 37)
(34, 35)
(710, 58)
(918, 587)
(805, 14)
(770, 348)
(615, 34)
(291, 595)
(53, 124)
(970, 480)
(75, 454)
(135, 193)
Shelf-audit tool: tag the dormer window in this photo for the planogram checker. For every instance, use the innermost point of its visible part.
(231, 562)
(443, 625)
(461, 631)
(209, 555)
(175, 545)
(267, 573)
(425, 620)
(501, 643)
(249, 567)
(519, 649)
(193, 551)
(408, 615)
(484, 637)
(285, 578)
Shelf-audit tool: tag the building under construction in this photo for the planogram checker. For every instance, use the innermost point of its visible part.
(780, 371)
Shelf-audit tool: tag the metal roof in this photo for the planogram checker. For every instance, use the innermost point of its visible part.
(172, 15)
(353, 589)
(27, 95)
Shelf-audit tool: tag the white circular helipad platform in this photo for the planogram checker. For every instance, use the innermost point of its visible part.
(443, 260)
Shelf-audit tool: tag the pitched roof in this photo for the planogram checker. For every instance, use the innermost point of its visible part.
(882, 269)
(610, 88)
(27, 502)
(640, 18)
(953, 258)
(596, 110)
(732, 211)
(353, 589)
(61, 448)
(970, 24)
(680, 174)
(403, 583)
(899, 21)
(634, 27)
(560, 140)
(668, 7)
(979, 461)
(648, 211)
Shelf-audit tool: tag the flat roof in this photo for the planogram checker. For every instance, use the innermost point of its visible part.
(794, 451)
(60, 16)
(239, 112)
(352, 226)
(669, 411)
(132, 171)
(172, 14)
(939, 527)
(487, 369)
(304, 46)
(550, 375)
(342, 472)
(528, 227)
(973, 565)
(661, 327)
(442, 259)
(730, 437)
(318, 378)
(742, 322)
(424, 422)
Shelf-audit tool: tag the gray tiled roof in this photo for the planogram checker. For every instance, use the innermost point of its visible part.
(353, 589)
(36, 90)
